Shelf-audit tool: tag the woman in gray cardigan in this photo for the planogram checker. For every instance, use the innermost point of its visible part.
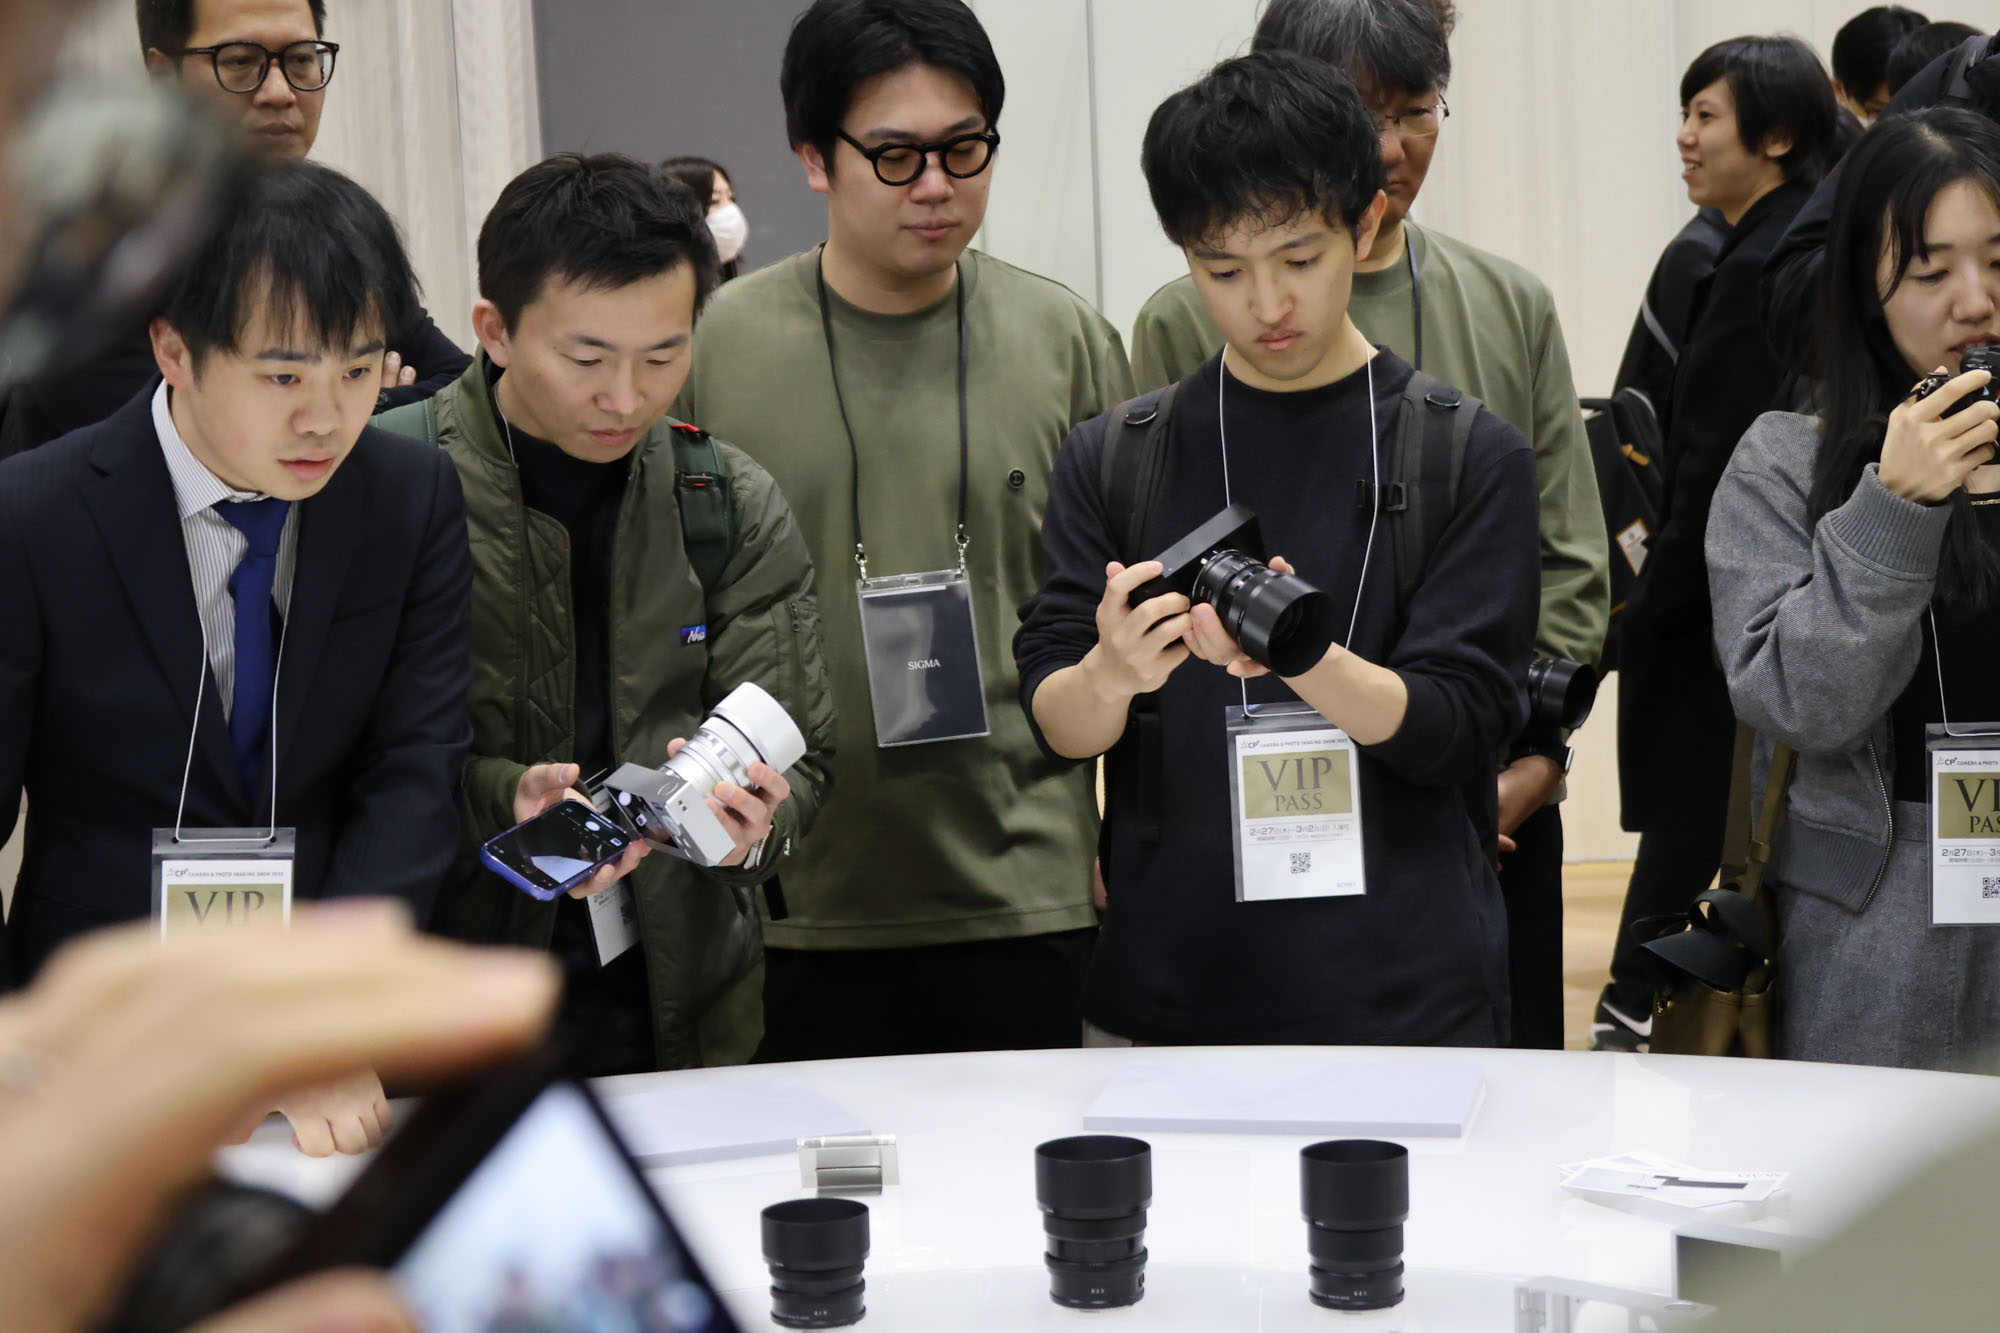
(1851, 560)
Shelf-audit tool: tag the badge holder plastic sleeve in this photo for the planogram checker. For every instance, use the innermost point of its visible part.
(921, 641)
(1286, 719)
(234, 872)
(1965, 879)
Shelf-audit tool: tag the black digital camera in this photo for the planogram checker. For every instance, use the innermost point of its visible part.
(1984, 357)
(1279, 620)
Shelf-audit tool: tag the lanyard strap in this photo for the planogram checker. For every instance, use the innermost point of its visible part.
(1416, 293)
(854, 453)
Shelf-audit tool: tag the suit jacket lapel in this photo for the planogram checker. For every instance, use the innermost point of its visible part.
(329, 529)
(138, 519)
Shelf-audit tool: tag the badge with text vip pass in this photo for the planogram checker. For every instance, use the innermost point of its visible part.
(221, 879)
(1295, 785)
(1965, 828)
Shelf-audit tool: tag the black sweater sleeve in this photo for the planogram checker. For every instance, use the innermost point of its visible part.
(437, 359)
(1059, 623)
(1791, 275)
(1469, 629)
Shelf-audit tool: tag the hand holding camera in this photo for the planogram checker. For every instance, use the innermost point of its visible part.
(544, 786)
(1211, 642)
(1943, 430)
(1139, 646)
(747, 813)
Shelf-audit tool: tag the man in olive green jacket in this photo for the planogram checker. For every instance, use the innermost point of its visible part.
(596, 639)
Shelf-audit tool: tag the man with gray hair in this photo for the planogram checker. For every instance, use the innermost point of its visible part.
(1489, 327)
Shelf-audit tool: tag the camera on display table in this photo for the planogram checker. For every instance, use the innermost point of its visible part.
(668, 805)
(1279, 620)
(1984, 357)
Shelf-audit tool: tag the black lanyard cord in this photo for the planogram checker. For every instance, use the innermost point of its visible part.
(854, 453)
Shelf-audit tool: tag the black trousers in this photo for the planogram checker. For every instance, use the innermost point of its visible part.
(1531, 884)
(1675, 864)
(989, 995)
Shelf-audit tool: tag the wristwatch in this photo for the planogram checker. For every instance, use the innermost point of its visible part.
(1562, 755)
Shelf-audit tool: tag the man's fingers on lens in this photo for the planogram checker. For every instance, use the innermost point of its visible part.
(772, 786)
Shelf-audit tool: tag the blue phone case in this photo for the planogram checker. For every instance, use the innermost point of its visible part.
(531, 888)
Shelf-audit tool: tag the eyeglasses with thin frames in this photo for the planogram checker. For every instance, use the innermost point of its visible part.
(1419, 122)
(242, 67)
(962, 156)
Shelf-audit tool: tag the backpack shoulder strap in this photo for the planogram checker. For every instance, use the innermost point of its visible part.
(1957, 89)
(703, 490)
(418, 420)
(1128, 477)
(1432, 429)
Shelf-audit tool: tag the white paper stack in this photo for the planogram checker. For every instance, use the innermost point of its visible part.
(717, 1122)
(1647, 1183)
(1290, 1095)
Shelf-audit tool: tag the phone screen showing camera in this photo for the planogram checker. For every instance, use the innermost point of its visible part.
(555, 850)
(555, 1231)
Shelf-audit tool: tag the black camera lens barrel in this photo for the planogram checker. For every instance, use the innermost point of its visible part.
(816, 1249)
(1561, 693)
(1355, 1196)
(1094, 1190)
(1280, 620)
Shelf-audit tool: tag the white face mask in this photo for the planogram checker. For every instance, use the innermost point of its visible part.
(731, 229)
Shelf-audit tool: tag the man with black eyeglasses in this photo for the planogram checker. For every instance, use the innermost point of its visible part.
(267, 65)
(909, 395)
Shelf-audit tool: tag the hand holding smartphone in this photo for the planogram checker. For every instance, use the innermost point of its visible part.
(557, 850)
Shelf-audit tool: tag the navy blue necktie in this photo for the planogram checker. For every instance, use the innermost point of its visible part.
(262, 522)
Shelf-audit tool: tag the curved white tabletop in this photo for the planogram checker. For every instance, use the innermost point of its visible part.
(1225, 1224)
(958, 1243)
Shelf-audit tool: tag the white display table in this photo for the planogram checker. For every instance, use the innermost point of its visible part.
(959, 1243)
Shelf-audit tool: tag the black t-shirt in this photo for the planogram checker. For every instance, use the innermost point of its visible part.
(1971, 649)
(607, 1010)
(1421, 957)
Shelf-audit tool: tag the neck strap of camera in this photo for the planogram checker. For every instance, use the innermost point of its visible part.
(854, 453)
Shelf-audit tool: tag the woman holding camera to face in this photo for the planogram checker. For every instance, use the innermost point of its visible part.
(1854, 563)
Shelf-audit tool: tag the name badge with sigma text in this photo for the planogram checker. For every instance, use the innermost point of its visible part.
(221, 879)
(1965, 825)
(1295, 793)
(922, 646)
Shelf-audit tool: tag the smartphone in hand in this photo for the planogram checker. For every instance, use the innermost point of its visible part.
(547, 856)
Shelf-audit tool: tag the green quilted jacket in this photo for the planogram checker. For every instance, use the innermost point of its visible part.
(700, 929)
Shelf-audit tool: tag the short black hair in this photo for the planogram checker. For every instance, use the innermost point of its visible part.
(838, 45)
(604, 221)
(166, 25)
(1777, 84)
(698, 174)
(316, 248)
(1919, 47)
(1261, 140)
(1392, 46)
(1862, 47)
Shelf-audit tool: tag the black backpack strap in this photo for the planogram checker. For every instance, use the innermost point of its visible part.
(1128, 476)
(1957, 87)
(702, 489)
(1432, 429)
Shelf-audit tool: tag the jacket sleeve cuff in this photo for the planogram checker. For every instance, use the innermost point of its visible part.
(1891, 534)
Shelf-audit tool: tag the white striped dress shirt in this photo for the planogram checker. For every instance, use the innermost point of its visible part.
(215, 547)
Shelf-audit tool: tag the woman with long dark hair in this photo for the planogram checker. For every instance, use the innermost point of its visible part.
(1852, 562)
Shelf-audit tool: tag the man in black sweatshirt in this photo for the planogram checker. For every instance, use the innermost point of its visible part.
(1267, 173)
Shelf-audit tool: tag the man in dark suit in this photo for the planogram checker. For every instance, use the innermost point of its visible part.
(263, 65)
(230, 604)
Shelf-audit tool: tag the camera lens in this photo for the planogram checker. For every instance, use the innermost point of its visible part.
(816, 1249)
(1094, 1190)
(1280, 620)
(1561, 693)
(1355, 1194)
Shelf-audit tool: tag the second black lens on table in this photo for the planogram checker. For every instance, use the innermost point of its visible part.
(816, 1249)
(1355, 1194)
(1094, 1190)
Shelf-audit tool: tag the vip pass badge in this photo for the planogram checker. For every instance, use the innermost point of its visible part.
(1295, 797)
(918, 631)
(1964, 814)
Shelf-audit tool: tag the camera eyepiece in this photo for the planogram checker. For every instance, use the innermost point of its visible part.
(1280, 620)
(1094, 1190)
(1355, 1194)
(816, 1249)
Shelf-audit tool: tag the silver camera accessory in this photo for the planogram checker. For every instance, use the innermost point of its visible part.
(668, 805)
(849, 1163)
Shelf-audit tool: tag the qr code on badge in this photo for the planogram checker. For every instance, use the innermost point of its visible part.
(1302, 864)
(1989, 887)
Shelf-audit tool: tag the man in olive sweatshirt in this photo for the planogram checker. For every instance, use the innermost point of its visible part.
(909, 396)
(1489, 327)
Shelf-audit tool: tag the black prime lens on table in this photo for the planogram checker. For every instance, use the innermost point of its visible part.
(1094, 1190)
(1355, 1194)
(816, 1249)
